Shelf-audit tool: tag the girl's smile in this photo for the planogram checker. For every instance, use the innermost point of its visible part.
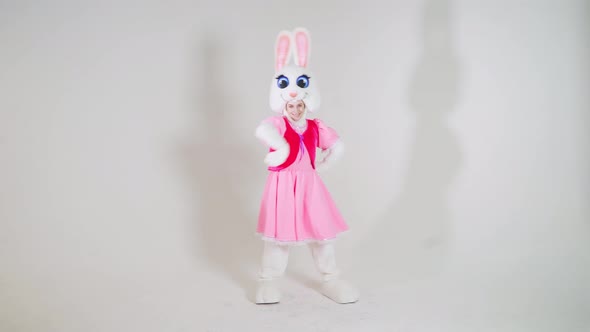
(295, 110)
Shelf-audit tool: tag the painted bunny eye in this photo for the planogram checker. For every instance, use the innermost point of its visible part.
(282, 81)
(303, 81)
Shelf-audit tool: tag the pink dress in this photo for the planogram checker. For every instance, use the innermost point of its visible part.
(296, 205)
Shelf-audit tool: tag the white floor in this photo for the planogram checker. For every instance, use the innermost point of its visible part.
(191, 296)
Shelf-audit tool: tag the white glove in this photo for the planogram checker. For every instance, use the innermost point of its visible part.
(330, 156)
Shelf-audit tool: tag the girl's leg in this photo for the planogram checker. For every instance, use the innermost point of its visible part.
(274, 263)
(332, 286)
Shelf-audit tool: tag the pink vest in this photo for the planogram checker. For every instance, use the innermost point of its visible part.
(309, 139)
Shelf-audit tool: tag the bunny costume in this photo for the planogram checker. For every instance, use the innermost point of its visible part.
(296, 207)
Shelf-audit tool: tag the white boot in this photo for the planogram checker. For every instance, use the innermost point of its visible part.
(267, 292)
(334, 288)
(274, 263)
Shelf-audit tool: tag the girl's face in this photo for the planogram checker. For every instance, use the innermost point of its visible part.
(295, 110)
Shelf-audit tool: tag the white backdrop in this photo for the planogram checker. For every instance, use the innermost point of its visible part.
(130, 177)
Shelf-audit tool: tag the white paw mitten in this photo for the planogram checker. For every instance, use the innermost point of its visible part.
(278, 156)
(330, 156)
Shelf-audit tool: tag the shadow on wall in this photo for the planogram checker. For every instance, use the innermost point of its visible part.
(218, 161)
(413, 238)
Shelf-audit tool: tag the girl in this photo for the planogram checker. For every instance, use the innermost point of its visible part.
(296, 207)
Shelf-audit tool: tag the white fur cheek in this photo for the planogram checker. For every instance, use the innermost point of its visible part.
(277, 104)
(312, 101)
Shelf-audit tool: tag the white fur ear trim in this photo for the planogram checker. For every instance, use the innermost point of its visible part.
(332, 154)
(283, 49)
(302, 46)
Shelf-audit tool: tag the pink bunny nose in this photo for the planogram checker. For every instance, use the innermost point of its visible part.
(293, 94)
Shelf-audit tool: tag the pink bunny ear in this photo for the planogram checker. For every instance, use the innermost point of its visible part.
(282, 49)
(302, 46)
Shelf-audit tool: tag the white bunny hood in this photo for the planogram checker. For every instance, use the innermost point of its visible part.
(293, 81)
